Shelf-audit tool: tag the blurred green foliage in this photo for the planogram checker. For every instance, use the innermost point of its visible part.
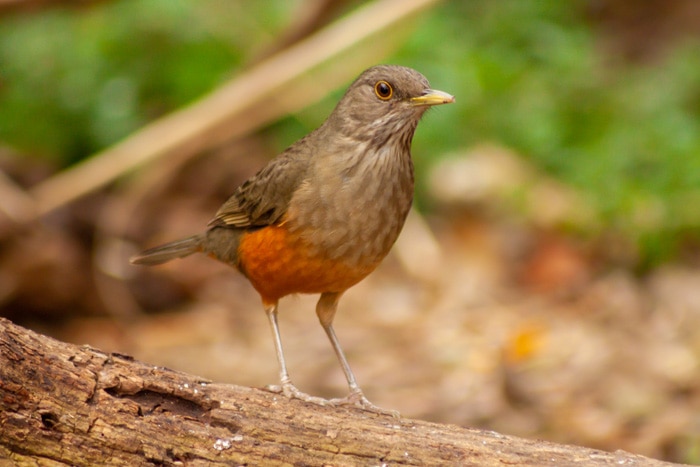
(531, 75)
(75, 81)
(528, 74)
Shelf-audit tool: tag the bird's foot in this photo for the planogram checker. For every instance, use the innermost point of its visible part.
(289, 390)
(357, 399)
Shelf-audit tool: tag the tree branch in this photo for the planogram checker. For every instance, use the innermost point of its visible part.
(61, 404)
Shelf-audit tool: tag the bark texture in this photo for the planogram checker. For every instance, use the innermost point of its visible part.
(62, 404)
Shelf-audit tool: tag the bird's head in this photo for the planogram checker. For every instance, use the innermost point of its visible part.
(386, 98)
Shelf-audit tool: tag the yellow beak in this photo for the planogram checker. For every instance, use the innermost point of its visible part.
(432, 97)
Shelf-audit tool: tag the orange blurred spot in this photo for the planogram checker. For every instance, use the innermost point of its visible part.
(525, 343)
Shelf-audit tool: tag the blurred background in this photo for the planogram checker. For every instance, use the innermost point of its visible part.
(545, 286)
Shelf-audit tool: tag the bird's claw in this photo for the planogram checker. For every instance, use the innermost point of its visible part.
(289, 390)
(357, 399)
(354, 399)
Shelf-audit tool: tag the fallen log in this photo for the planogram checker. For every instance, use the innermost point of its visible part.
(62, 404)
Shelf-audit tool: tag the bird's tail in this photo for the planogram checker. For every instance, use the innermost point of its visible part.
(164, 253)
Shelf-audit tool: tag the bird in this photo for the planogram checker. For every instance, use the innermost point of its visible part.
(322, 215)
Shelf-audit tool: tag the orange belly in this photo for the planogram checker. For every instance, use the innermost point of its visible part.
(278, 263)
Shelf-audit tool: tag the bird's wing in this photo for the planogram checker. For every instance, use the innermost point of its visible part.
(264, 198)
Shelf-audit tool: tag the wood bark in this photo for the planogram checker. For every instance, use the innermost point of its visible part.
(62, 404)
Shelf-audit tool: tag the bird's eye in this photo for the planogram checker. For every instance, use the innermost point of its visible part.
(383, 90)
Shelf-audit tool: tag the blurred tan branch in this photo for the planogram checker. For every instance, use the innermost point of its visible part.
(309, 17)
(207, 122)
(14, 201)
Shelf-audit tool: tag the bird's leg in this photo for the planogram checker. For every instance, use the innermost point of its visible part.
(325, 309)
(286, 387)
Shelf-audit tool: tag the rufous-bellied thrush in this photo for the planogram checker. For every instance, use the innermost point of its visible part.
(324, 213)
